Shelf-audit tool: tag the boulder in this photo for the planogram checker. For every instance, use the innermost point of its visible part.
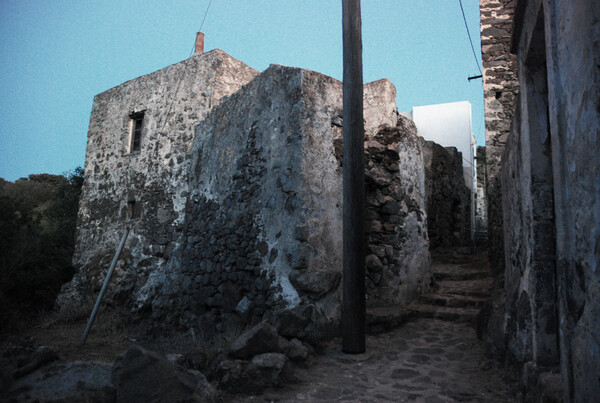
(307, 323)
(66, 382)
(296, 351)
(293, 322)
(141, 375)
(315, 283)
(274, 368)
(253, 377)
(262, 338)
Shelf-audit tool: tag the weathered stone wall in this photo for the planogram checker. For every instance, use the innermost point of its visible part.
(551, 205)
(481, 211)
(398, 258)
(264, 227)
(155, 178)
(448, 200)
(500, 91)
(240, 220)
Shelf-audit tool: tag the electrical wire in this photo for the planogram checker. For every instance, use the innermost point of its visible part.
(205, 14)
(201, 25)
(181, 79)
(469, 34)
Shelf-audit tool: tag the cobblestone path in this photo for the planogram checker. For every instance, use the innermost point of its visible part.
(434, 357)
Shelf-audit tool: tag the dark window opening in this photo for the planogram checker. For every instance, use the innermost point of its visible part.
(137, 120)
(498, 94)
(131, 210)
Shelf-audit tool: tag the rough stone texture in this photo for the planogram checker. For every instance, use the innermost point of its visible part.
(481, 221)
(174, 99)
(551, 204)
(425, 361)
(447, 197)
(398, 258)
(65, 382)
(379, 102)
(265, 205)
(143, 375)
(253, 377)
(241, 218)
(500, 91)
(260, 339)
(264, 229)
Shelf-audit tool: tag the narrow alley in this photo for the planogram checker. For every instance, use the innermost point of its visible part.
(432, 356)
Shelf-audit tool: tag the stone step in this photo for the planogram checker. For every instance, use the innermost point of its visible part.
(452, 300)
(460, 275)
(473, 288)
(420, 310)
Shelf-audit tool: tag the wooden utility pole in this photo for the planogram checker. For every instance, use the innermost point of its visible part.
(353, 305)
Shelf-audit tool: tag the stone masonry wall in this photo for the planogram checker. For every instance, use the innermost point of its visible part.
(500, 90)
(551, 194)
(448, 199)
(264, 227)
(481, 212)
(152, 182)
(398, 254)
(240, 219)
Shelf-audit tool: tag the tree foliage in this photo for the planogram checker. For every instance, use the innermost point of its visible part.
(37, 231)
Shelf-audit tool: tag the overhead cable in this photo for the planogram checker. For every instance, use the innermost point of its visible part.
(469, 34)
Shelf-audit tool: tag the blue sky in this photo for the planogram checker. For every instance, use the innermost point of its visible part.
(56, 55)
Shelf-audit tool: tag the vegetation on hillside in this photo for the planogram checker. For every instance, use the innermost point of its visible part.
(37, 226)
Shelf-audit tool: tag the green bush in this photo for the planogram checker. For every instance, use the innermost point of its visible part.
(37, 226)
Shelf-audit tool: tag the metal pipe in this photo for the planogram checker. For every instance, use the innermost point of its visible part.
(104, 286)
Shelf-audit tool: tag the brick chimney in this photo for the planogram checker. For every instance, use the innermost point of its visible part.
(199, 43)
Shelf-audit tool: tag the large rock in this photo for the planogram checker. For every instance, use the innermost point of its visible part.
(274, 368)
(253, 377)
(142, 375)
(66, 382)
(260, 339)
(307, 323)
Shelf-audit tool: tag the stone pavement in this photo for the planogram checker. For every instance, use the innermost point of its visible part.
(434, 357)
(427, 360)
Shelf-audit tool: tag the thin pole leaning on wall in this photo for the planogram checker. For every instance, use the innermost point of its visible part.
(106, 280)
(353, 305)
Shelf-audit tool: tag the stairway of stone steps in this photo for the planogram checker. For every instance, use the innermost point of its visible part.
(463, 283)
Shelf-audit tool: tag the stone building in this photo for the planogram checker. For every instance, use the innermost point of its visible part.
(545, 317)
(500, 91)
(230, 181)
(450, 125)
(448, 199)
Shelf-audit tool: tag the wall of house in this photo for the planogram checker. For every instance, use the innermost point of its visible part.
(481, 205)
(448, 200)
(264, 225)
(500, 91)
(551, 205)
(398, 260)
(153, 182)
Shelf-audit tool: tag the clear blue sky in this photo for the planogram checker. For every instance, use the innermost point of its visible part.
(56, 55)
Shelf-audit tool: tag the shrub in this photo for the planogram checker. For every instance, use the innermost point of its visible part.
(37, 226)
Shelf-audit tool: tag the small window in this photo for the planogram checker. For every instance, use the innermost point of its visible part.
(135, 131)
(131, 210)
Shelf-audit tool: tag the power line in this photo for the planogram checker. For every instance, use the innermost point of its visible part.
(181, 79)
(205, 14)
(201, 25)
(469, 34)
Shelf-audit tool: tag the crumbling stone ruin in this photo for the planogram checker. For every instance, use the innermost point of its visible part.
(232, 191)
(543, 319)
(448, 198)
